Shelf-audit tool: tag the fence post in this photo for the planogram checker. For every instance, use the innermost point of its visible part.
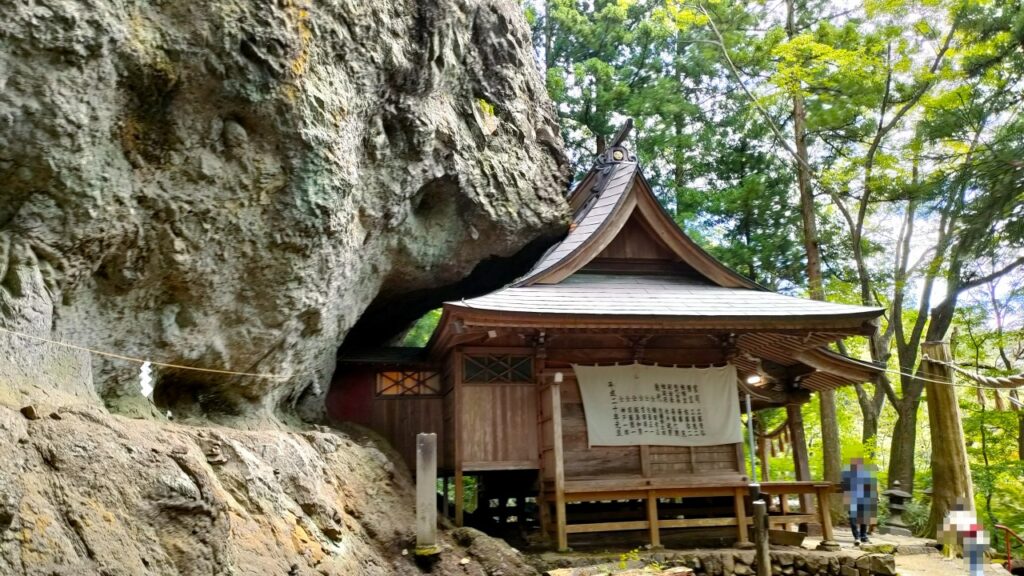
(426, 495)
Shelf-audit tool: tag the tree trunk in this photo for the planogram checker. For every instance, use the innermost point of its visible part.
(904, 439)
(871, 407)
(830, 446)
(798, 442)
(807, 215)
(951, 474)
(1020, 434)
(803, 179)
(869, 428)
(829, 423)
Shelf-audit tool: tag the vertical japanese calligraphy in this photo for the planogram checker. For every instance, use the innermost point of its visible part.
(637, 404)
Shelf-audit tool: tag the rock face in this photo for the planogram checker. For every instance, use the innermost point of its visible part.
(86, 493)
(230, 184)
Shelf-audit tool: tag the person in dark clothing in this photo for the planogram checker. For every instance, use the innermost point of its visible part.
(860, 494)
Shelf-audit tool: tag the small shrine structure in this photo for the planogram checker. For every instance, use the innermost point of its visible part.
(607, 383)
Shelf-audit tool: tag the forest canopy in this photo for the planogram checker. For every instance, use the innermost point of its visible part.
(859, 152)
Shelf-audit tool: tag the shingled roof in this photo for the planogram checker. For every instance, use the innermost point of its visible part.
(589, 294)
(615, 180)
(613, 194)
(611, 198)
(626, 264)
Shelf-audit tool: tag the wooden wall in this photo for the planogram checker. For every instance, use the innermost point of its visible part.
(501, 429)
(681, 462)
(350, 397)
(398, 419)
(547, 429)
(497, 422)
(401, 418)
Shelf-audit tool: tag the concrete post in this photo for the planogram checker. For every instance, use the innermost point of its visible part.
(762, 557)
(426, 495)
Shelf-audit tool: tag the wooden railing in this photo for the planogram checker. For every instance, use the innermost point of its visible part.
(1007, 534)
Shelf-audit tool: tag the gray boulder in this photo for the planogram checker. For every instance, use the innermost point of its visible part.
(231, 184)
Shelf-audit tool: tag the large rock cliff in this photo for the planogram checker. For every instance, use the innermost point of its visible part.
(230, 184)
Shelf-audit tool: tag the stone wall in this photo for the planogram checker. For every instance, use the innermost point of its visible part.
(785, 562)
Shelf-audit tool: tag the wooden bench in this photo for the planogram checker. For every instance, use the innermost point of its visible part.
(650, 490)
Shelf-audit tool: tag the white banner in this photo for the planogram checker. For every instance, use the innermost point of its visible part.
(637, 404)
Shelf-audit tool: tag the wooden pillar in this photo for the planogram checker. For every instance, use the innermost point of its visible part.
(544, 514)
(457, 432)
(740, 507)
(784, 509)
(800, 461)
(652, 519)
(543, 510)
(459, 499)
(556, 427)
(825, 515)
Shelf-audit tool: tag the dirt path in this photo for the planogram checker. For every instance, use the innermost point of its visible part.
(937, 565)
(932, 564)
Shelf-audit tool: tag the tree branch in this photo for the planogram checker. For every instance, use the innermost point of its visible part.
(975, 282)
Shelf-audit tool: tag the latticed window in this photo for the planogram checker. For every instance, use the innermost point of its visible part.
(402, 383)
(497, 368)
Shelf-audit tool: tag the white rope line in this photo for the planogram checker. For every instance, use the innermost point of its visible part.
(997, 382)
(922, 379)
(141, 360)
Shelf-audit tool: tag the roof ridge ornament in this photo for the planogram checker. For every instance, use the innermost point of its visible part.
(616, 151)
(623, 132)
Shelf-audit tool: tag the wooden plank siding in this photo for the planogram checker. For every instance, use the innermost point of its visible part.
(635, 241)
(683, 463)
(499, 423)
(401, 418)
(398, 418)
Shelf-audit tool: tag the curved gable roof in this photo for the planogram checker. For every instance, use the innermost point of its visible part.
(613, 191)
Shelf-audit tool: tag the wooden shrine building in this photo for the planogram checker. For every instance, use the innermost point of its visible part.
(614, 371)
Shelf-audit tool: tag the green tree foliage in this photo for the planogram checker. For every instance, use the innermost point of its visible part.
(707, 153)
(990, 341)
(419, 334)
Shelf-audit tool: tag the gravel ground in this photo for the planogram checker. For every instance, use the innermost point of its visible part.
(935, 565)
(930, 564)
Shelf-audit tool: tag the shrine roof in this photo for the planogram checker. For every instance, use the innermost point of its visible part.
(612, 201)
(613, 181)
(626, 265)
(588, 294)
